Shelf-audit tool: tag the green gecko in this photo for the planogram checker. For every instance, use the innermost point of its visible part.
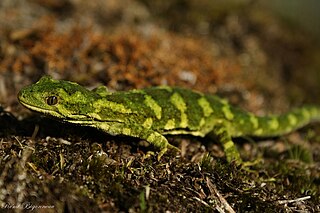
(153, 112)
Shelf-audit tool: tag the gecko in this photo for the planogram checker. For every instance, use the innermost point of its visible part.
(152, 113)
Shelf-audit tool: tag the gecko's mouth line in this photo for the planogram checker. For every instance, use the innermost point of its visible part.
(51, 113)
(88, 120)
(76, 119)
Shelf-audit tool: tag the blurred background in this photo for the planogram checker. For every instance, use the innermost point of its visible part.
(259, 49)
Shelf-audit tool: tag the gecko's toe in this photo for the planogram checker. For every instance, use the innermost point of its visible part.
(170, 148)
(162, 152)
(174, 148)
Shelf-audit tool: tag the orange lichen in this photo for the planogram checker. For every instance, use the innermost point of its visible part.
(126, 56)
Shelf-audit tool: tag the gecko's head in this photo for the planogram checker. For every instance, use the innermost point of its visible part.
(57, 98)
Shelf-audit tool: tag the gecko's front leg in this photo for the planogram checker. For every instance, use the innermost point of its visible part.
(158, 141)
(151, 136)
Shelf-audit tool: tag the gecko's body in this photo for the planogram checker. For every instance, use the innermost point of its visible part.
(157, 111)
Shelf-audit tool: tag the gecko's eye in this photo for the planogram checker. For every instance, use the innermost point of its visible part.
(52, 100)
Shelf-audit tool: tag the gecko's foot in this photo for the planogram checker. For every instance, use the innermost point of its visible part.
(247, 164)
(174, 148)
(148, 155)
(234, 157)
(167, 148)
(162, 151)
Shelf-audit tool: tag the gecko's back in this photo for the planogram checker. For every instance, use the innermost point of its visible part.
(217, 111)
(172, 110)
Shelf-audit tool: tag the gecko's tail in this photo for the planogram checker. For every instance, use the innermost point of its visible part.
(288, 122)
(273, 125)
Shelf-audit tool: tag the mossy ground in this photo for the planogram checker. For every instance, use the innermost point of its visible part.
(238, 52)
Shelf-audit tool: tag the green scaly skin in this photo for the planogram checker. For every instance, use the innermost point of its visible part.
(153, 112)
